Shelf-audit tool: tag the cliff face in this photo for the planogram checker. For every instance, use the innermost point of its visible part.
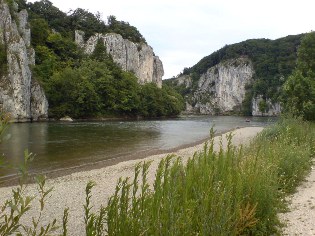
(23, 98)
(221, 89)
(272, 109)
(134, 57)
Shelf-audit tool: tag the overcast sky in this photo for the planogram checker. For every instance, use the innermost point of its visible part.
(182, 32)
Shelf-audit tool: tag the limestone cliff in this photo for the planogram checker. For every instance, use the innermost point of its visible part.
(134, 57)
(221, 89)
(20, 96)
(272, 109)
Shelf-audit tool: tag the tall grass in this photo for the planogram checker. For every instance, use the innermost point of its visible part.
(231, 192)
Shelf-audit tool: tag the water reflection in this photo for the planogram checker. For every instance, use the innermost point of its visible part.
(60, 145)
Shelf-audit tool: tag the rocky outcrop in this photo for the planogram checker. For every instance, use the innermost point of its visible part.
(272, 109)
(19, 95)
(135, 57)
(183, 80)
(221, 90)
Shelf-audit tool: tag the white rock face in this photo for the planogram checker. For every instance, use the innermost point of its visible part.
(273, 109)
(222, 88)
(134, 57)
(16, 87)
(184, 80)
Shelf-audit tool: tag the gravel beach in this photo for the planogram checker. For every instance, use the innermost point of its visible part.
(300, 219)
(69, 190)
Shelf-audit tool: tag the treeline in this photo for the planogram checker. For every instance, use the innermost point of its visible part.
(101, 88)
(84, 86)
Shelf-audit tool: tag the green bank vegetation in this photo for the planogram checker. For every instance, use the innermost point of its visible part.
(237, 191)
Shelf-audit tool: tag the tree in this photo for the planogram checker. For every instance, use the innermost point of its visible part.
(299, 95)
(299, 89)
(263, 106)
(40, 31)
(306, 55)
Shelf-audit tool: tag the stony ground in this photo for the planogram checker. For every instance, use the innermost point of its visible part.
(300, 219)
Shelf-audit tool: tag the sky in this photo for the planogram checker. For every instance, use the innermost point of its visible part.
(181, 32)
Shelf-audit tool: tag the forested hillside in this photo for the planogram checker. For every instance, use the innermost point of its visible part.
(273, 61)
(81, 85)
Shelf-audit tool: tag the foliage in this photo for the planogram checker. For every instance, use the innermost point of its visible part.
(12, 210)
(79, 19)
(299, 90)
(273, 61)
(232, 192)
(263, 106)
(125, 30)
(15, 208)
(100, 88)
(83, 86)
(56, 19)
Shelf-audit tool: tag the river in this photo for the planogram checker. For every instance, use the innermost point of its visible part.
(58, 145)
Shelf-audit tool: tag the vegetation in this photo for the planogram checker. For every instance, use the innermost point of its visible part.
(85, 86)
(237, 191)
(273, 62)
(232, 192)
(299, 90)
(80, 19)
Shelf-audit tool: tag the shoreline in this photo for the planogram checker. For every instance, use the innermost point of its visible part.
(69, 190)
(52, 174)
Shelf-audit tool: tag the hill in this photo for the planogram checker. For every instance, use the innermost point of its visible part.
(43, 60)
(271, 61)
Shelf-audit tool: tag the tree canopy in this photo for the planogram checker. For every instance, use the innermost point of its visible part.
(299, 90)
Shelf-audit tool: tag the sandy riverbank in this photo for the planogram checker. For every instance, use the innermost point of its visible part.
(69, 190)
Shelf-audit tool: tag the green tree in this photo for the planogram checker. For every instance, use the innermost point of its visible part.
(86, 21)
(40, 31)
(306, 55)
(263, 106)
(299, 89)
(70, 93)
(299, 95)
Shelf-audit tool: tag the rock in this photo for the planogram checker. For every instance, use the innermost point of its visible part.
(135, 57)
(274, 109)
(39, 103)
(184, 80)
(222, 88)
(16, 87)
(66, 119)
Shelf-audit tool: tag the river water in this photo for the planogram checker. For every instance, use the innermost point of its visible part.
(65, 145)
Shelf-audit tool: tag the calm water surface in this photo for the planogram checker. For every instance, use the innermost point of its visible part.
(64, 145)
